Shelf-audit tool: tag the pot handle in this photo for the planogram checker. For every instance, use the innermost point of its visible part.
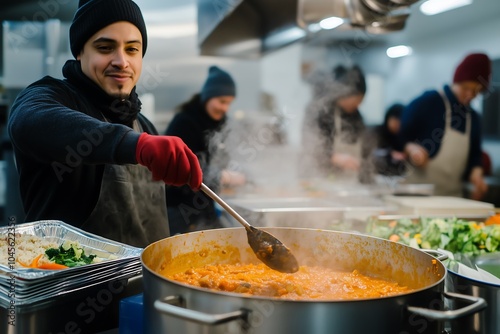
(477, 304)
(172, 305)
(437, 254)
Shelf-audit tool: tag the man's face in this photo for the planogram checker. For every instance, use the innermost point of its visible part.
(112, 58)
(218, 106)
(466, 91)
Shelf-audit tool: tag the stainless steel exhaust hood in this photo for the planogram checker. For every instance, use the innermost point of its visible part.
(240, 28)
(251, 28)
(364, 14)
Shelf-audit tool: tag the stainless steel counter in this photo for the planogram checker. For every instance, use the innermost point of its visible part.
(347, 213)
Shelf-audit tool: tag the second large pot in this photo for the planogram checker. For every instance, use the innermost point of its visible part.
(487, 322)
(172, 307)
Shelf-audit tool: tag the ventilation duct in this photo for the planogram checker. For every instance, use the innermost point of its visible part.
(251, 28)
(376, 16)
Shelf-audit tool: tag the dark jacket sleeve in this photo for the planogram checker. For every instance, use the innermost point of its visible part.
(421, 121)
(43, 127)
(475, 151)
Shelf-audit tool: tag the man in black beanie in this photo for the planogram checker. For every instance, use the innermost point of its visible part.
(85, 154)
(93, 15)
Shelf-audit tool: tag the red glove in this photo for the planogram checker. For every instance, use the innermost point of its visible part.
(170, 160)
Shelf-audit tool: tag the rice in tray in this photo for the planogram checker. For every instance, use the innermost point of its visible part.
(26, 249)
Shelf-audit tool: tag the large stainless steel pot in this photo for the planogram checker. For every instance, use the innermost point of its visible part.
(487, 322)
(171, 307)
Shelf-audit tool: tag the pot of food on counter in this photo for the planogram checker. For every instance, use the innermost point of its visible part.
(211, 282)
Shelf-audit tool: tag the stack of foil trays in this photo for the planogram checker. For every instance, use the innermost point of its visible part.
(28, 286)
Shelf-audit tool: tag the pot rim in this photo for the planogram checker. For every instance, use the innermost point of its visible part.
(284, 300)
(476, 281)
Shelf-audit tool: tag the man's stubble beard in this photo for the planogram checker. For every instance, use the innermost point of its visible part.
(121, 95)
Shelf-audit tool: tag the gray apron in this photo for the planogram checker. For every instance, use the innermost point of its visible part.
(340, 145)
(446, 169)
(131, 207)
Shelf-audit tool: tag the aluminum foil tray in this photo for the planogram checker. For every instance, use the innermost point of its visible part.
(58, 231)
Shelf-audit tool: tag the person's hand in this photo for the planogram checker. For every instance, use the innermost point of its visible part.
(170, 160)
(479, 187)
(417, 155)
(232, 178)
(345, 161)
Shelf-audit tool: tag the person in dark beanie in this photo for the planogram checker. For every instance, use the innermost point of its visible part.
(201, 124)
(333, 126)
(84, 152)
(441, 133)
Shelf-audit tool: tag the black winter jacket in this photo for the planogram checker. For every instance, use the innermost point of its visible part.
(62, 142)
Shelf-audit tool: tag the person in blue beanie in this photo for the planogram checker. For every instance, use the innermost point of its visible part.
(201, 124)
(441, 132)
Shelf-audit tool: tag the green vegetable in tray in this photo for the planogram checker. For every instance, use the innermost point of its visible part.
(452, 234)
(69, 254)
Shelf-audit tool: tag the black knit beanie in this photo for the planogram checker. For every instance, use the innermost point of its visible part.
(352, 78)
(218, 83)
(93, 15)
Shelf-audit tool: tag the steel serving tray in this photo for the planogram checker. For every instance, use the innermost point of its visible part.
(63, 284)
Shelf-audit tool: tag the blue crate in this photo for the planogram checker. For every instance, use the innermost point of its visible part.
(131, 315)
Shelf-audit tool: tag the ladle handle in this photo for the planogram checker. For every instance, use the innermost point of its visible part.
(226, 207)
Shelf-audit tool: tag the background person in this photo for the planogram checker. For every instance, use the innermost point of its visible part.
(201, 123)
(382, 153)
(85, 154)
(441, 133)
(333, 125)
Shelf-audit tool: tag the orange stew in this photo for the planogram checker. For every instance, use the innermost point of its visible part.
(308, 283)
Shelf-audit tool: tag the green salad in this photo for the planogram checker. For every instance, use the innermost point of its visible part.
(69, 254)
(452, 234)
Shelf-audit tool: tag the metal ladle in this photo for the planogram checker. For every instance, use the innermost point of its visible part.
(266, 247)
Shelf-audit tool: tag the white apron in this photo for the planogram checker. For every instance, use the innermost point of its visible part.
(446, 169)
(340, 145)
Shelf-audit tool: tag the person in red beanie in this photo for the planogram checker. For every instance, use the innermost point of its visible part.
(84, 152)
(441, 133)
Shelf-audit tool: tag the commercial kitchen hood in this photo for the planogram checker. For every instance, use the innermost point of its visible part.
(251, 28)
(242, 28)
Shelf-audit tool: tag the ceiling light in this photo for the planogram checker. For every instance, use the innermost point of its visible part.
(399, 51)
(172, 30)
(432, 7)
(331, 22)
